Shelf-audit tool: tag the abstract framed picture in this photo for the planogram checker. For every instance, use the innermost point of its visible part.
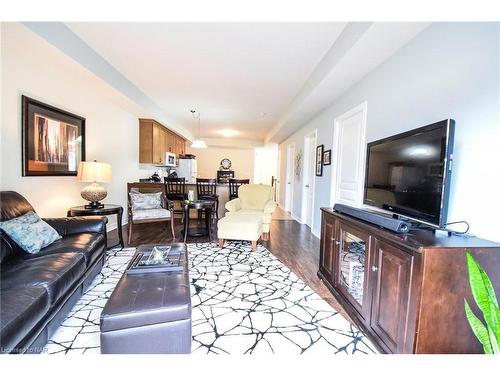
(53, 140)
(327, 157)
(319, 160)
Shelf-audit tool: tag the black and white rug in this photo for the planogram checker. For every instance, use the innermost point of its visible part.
(244, 302)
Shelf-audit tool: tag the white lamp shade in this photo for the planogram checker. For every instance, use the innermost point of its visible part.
(93, 171)
(199, 143)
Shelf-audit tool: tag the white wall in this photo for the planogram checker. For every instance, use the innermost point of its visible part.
(242, 160)
(30, 66)
(266, 164)
(450, 70)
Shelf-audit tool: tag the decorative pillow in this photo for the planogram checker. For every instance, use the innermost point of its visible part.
(148, 201)
(30, 232)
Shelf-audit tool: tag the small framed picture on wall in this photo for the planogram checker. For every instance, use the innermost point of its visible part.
(319, 160)
(327, 157)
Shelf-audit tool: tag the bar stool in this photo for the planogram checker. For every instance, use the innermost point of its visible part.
(234, 185)
(207, 191)
(175, 190)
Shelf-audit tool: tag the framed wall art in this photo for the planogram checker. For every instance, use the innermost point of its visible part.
(319, 160)
(298, 164)
(327, 157)
(53, 140)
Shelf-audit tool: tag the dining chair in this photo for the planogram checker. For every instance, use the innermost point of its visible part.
(207, 191)
(234, 185)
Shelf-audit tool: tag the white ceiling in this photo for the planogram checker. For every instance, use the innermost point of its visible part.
(230, 72)
(373, 46)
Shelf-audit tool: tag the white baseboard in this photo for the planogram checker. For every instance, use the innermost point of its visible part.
(296, 218)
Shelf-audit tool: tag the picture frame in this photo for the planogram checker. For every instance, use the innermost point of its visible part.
(319, 160)
(327, 157)
(53, 140)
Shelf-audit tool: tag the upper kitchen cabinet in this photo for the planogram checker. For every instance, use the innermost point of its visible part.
(155, 140)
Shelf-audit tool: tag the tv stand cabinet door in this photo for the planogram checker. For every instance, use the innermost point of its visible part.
(351, 268)
(328, 247)
(391, 274)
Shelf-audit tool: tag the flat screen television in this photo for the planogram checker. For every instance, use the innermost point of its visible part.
(409, 174)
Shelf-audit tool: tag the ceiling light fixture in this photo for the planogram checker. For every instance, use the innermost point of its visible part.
(228, 133)
(198, 142)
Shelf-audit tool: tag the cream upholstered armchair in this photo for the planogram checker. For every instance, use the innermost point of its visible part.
(254, 199)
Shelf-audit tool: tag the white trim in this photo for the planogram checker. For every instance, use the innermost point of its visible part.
(363, 107)
(311, 135)
(296, 218)
(315, 234)
(289, 199)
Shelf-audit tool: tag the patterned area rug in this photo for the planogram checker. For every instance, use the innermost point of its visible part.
(243, 302)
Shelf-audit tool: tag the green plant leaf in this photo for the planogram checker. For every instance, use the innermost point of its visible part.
(495, 347)
(480, 331)
(483, 294)
(480, 283)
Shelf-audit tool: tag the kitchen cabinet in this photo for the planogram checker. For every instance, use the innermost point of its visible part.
(155, 140)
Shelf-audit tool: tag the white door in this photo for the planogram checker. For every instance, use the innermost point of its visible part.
(349, 136)
(309, 174)
(290, 172)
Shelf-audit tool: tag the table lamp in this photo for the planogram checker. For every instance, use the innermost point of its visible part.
(93, 171)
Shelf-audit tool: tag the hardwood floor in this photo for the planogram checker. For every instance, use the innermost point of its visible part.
(291, 242)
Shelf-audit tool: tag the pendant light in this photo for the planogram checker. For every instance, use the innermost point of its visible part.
(198, 142)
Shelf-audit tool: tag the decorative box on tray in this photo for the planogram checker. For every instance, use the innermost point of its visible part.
(159, 259)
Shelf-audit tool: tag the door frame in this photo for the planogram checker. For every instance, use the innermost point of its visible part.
(363, 107)
(308, 153)
(277, 188)
(289, 164)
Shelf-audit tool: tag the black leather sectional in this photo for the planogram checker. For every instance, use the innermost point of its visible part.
(38, 291)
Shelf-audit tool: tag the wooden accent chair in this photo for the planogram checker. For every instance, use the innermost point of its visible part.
(151, 213)
(234, 185)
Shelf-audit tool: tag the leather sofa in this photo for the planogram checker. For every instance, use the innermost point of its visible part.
(37, 291)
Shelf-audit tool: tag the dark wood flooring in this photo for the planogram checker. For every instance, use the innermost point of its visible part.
(291, 242)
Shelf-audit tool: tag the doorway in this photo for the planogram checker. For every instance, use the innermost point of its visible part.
(307, 213)
(290, 172)
(349, 161)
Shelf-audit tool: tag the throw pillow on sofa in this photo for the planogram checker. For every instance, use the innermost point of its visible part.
(30, 232)
(145, 201)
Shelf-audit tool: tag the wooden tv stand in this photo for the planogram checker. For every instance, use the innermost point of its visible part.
(405, 291)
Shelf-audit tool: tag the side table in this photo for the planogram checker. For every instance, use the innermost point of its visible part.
(208, 207)
(108, 209)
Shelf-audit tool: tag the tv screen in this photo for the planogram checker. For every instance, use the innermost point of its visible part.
(408, 174)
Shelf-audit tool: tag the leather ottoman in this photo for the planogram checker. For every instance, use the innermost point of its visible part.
(149, 312)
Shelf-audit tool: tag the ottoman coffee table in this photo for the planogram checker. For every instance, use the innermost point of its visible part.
(240, 227)
(149, 311)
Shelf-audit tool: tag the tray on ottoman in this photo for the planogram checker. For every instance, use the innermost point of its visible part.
(149, 312)
(159, 258)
